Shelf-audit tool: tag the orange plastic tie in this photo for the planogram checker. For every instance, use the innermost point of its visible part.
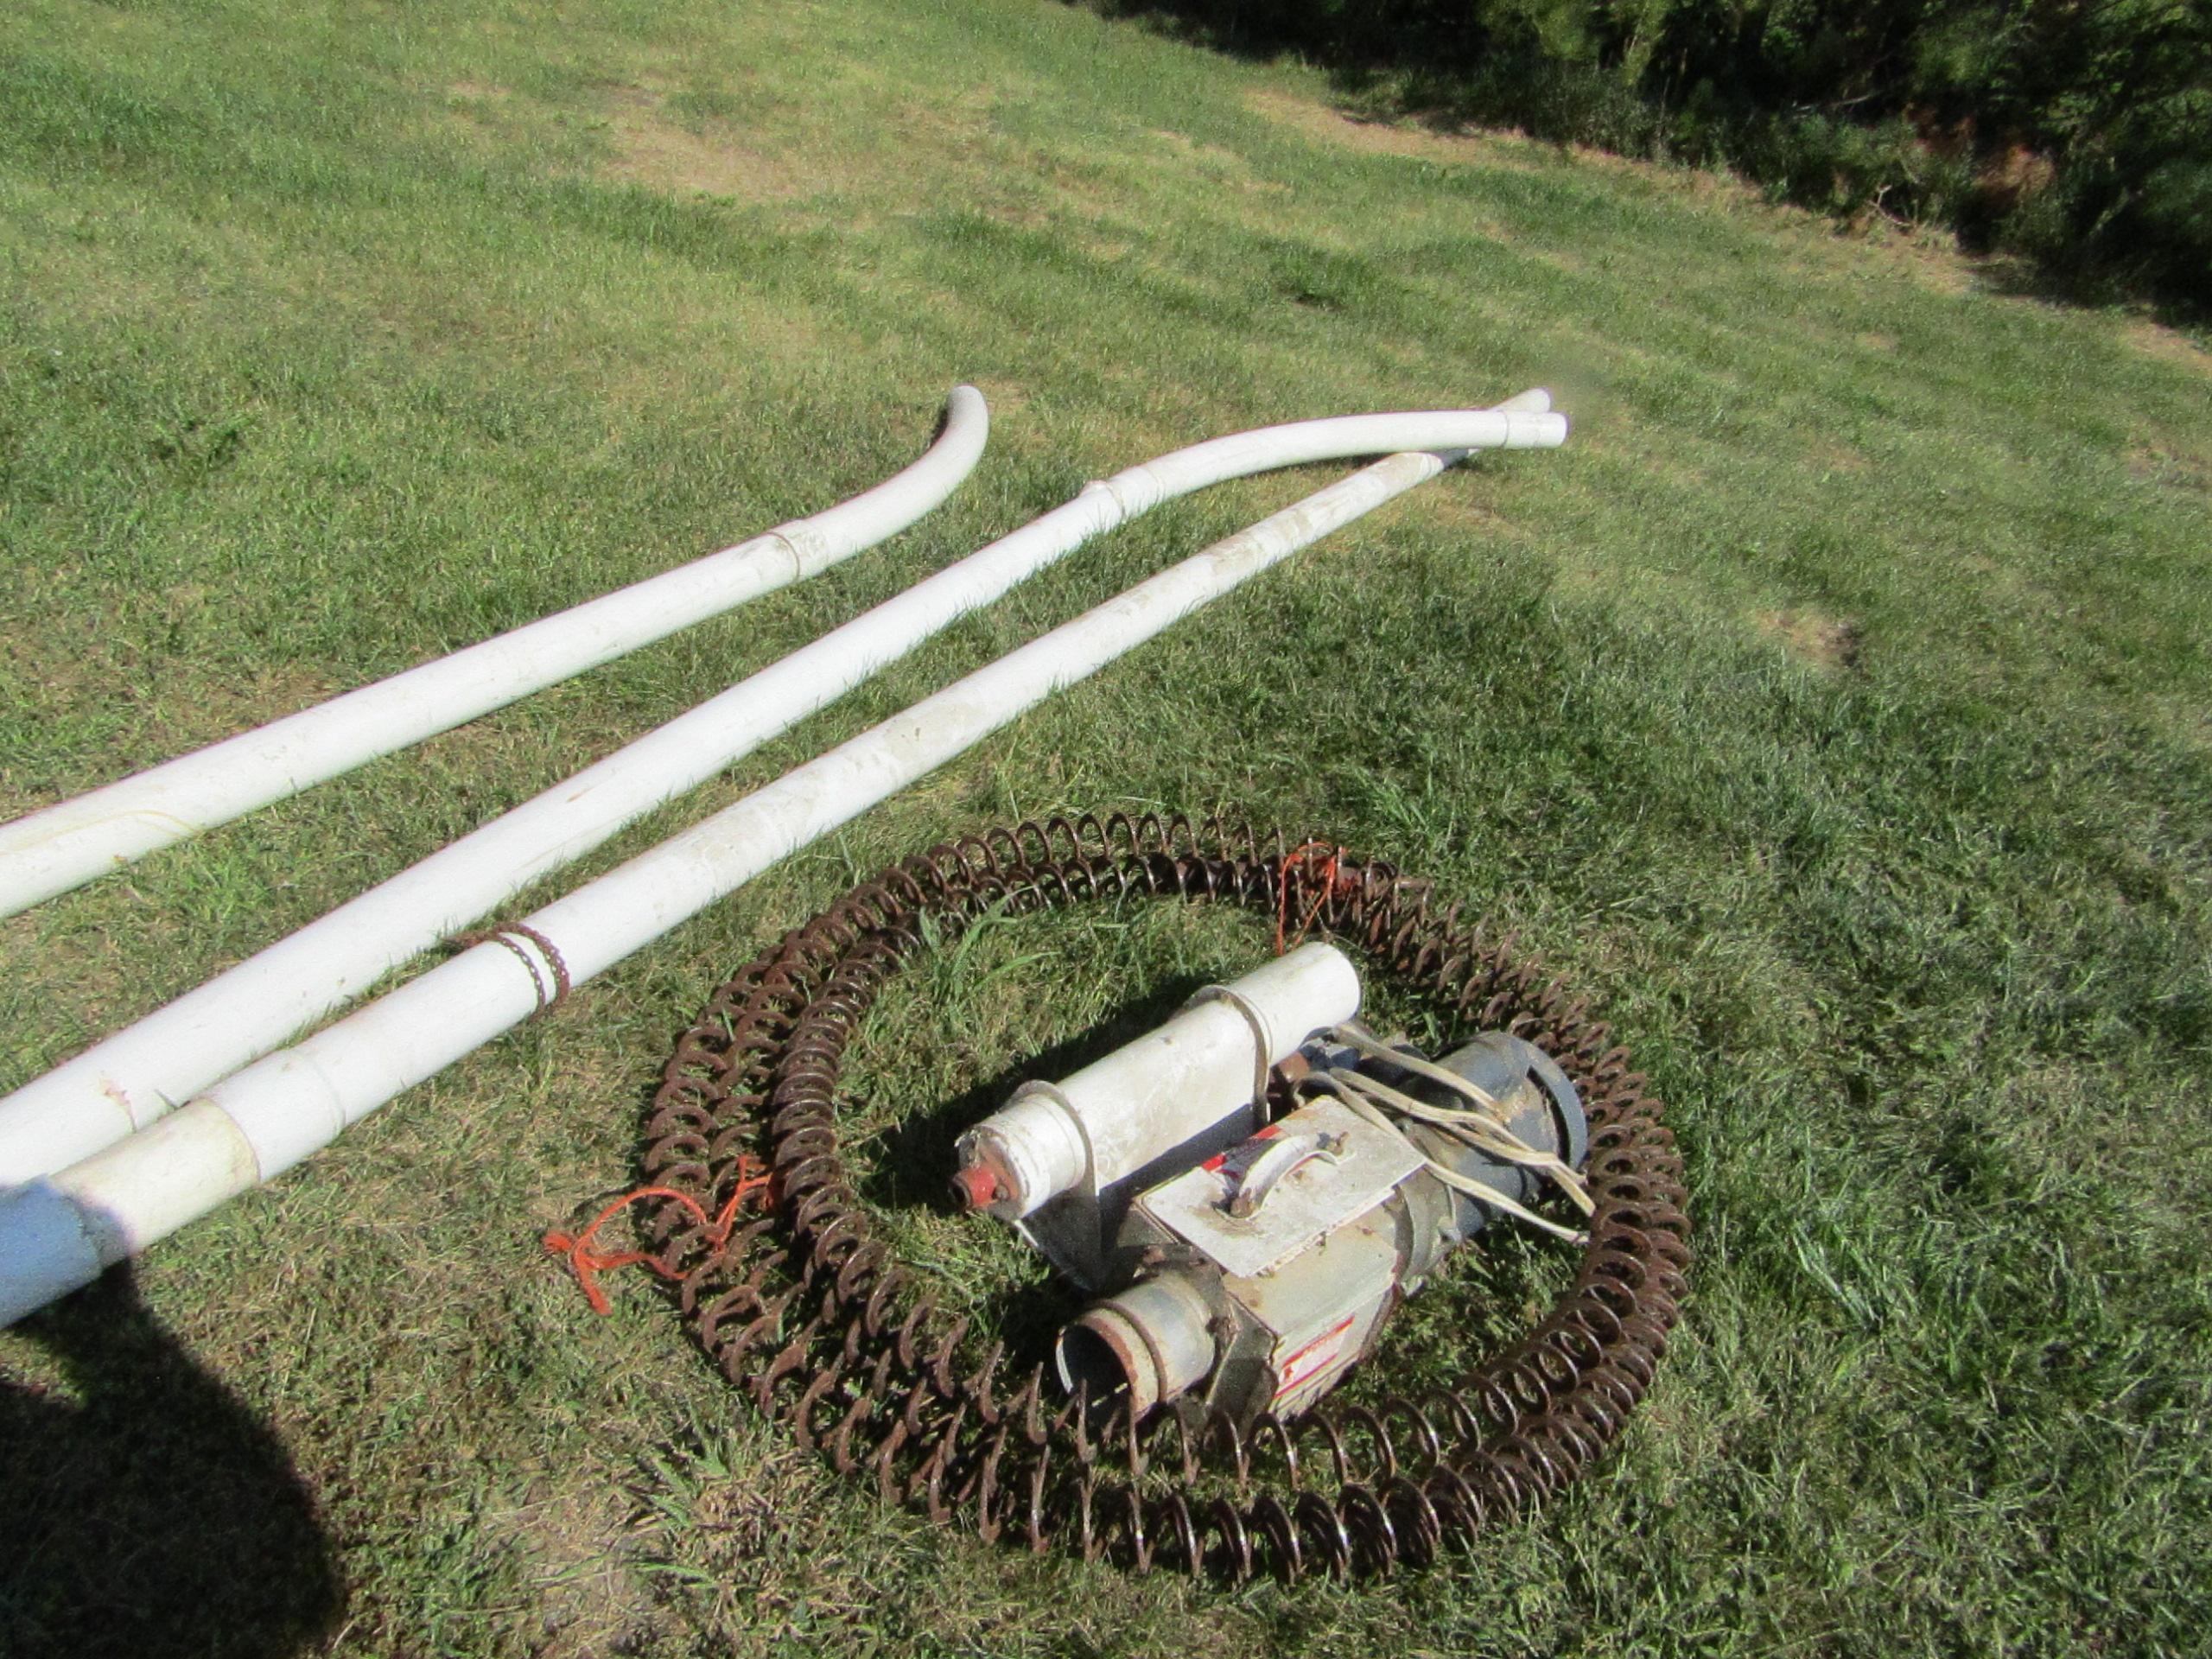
(587, 1263)
(1330, 871)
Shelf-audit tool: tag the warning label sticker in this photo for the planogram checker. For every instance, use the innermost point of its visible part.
(1315, 1357)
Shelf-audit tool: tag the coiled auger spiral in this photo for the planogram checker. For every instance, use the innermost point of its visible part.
(811, 1313)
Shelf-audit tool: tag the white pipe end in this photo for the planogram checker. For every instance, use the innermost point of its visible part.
(1029, 1150)
(47, 1249)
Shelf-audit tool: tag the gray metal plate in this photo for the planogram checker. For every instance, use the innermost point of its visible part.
(1307, 1204)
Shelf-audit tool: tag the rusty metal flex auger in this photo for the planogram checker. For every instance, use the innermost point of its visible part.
(813, 1316)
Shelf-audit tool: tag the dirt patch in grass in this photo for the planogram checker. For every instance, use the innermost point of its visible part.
(1327, 125)
(2186, 720)
(1832, 455)
(1929, 260)
(647, 142)
(2167, 344)
(577, 1544)
(1210, 159)
(483, 116)
(651, 149)
(1835, 644)
(2158, 463)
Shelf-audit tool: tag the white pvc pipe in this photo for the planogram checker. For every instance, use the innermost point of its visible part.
(1167, 1087)
(58, 1232)
(66, 845)
(131, 1079)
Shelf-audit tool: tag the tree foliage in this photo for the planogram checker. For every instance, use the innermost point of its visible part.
(2076, 132)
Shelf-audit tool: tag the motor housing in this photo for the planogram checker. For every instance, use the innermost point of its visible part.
(1250, 1264)
(1274, 1265)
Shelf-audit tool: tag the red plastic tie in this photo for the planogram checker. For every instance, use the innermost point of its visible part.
(587, 1263)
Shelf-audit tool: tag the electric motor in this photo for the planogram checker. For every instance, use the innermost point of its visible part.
(1247, 1263)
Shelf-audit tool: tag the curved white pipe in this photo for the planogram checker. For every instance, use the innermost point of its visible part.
(66, 845)
(131, 1079)
(58, 1232)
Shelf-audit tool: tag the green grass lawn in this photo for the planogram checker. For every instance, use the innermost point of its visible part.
(1833, 709)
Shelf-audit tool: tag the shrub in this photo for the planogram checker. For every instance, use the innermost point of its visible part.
(2077, 133)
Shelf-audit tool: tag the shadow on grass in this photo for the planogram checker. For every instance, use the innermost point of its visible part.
(912, 1159)
(911, 1163)
(148, 1511)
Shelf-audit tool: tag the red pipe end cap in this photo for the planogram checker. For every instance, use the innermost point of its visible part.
(974, 1186)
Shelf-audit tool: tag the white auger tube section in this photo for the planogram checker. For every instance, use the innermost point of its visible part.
(66, 845)
(128, 1081)
(58, 1232)
(1180, 1080)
